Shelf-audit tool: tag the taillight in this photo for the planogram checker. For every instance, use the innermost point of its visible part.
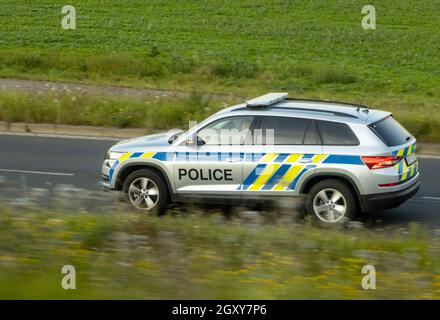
(380, 162)
(392, 184)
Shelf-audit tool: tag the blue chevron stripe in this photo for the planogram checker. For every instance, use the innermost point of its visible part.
(253, 176)
(276, 177)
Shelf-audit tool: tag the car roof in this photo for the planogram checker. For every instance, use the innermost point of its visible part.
(315, 109)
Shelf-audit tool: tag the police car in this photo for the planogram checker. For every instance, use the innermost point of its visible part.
(346, 158)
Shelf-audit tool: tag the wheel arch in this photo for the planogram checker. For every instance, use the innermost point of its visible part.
(129, 168)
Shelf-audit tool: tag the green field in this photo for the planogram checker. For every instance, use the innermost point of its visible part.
(227, 45)
(313, 49)
(192, 255)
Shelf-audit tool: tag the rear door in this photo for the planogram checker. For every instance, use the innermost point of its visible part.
(285, 151)
(401, 143)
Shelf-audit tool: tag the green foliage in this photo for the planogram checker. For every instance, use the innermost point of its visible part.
(418, 115)
(80, 109)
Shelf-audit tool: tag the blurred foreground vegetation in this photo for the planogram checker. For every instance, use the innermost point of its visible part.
(194, 255)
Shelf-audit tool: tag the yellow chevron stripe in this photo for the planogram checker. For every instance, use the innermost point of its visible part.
(269, 157)
(410, 150)
(147, 154)
(405, 171)
(404, 176)
(288, 177)
(125, 156)
(319, 157)
(400, 152)
(293, 158)
(415, 167)
(264, 176)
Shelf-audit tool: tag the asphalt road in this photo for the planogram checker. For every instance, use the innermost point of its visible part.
(43, 162)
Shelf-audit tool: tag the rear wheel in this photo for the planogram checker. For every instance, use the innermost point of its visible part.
(331, 202)
(146, 191)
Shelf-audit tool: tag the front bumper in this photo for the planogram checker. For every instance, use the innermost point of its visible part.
(390, 200)
(105, 183)
(105, 186)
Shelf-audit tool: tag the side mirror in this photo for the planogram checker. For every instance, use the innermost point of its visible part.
(192, 143)
(173, 138)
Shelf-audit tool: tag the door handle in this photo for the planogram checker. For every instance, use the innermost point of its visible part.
(305, 160)
(233, 159)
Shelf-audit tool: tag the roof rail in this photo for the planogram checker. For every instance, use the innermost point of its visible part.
(348, 104)
(324, 111)
(266, 100)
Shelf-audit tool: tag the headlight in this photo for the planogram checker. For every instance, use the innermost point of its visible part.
(113, 155)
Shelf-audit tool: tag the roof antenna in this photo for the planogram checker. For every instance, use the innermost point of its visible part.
(361, 104)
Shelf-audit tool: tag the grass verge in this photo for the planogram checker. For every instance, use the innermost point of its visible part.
(417, 114)
(98, 110)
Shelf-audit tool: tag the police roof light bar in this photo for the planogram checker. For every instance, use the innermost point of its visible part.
(267, 100)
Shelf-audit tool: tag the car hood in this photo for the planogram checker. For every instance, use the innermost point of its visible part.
(153, 140)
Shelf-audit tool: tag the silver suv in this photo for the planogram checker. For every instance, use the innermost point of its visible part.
(346, 158)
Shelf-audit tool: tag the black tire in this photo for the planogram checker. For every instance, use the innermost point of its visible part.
(348, 199)
(163, 197)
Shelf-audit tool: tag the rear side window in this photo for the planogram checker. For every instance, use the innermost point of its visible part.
(334, 133)
(285, 130)
(391, 132)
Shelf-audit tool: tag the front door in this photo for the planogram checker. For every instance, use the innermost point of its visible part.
(211, 163)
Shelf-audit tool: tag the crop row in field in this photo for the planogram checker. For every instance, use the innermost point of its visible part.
(243, 46)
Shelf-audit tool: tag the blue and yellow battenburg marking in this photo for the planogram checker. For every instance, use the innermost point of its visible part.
(282, 171)
(404, 171)
(274, 171)
(278, 171)
(162, 156)
(404, 152)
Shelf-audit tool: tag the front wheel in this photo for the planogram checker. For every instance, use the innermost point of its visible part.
(146, 191)
(331, 202)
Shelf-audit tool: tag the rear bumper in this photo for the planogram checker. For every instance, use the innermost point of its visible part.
(390, 200)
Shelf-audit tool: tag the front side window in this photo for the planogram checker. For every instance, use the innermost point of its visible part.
(335, 133)
(283, 130)
(227, 131)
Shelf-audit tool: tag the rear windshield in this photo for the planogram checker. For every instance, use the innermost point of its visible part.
(391, 132)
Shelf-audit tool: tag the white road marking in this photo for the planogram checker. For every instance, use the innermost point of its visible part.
(50, 135)
(424, 156)
(39, 172)
(431, 198)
